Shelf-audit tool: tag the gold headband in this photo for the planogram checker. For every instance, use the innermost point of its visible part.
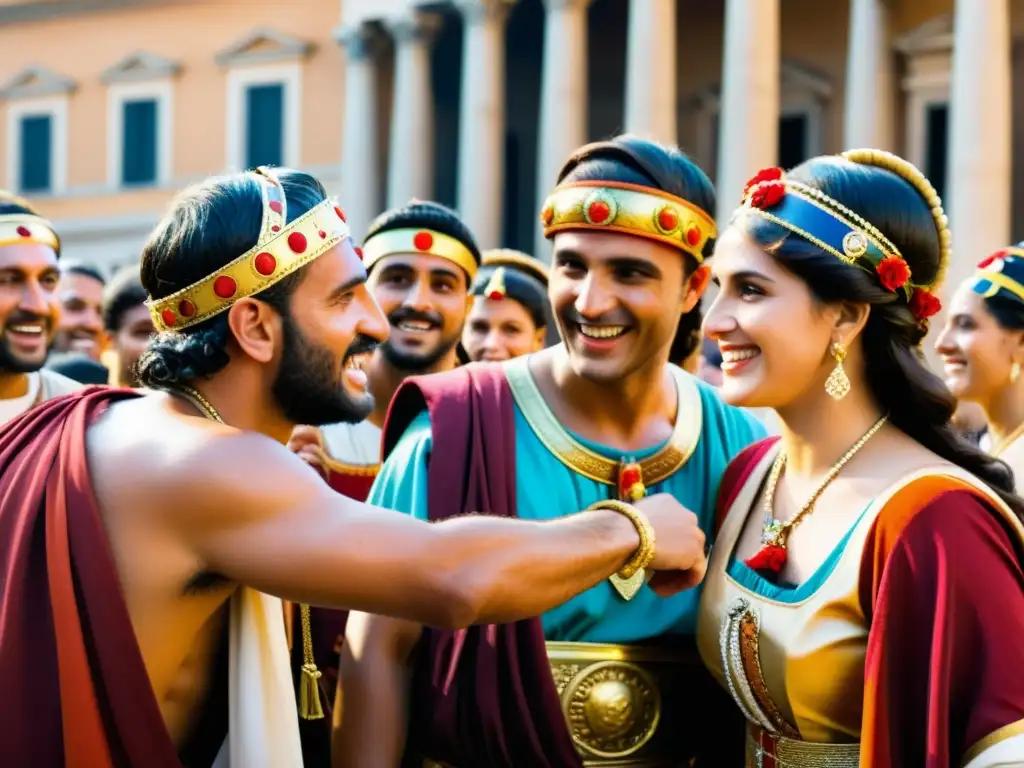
(631, 209)
(507, 257)
(280, 250)
(24, 228)
(420, 241)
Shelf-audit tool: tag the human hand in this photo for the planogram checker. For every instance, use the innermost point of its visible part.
(680, 561)
(307, 444)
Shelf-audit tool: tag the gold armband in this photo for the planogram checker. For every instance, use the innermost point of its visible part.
(645, 552)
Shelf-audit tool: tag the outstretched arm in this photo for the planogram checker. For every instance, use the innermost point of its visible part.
(945, 598)
(252, 511)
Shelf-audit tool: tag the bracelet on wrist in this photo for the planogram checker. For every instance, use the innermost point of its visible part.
(644, 553)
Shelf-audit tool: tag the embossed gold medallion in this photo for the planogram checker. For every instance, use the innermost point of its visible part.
(627, 588)
(612, 709)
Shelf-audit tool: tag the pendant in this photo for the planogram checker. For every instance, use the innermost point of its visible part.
(771, 558)
(631, 481)
(627, 588)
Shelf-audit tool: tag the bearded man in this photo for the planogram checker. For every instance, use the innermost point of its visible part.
(146, 532)
(29, 308)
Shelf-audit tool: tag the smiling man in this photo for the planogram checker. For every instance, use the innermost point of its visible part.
(602, 415)
(81, 317)
(29, 308)
(144, 532)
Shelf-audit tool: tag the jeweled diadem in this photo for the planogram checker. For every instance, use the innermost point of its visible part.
(26, 229)
(418, 241)
(631, 209)
(280, 250)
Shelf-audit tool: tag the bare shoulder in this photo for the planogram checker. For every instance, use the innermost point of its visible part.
(145, 455)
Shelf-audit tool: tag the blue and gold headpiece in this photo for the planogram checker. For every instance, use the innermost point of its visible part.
(1001, 274)
(849, 237)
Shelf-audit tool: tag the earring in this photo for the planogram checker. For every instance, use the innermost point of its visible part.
(838, 383)
(1014, 372)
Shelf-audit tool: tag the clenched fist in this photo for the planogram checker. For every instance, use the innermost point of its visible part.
(680, 559)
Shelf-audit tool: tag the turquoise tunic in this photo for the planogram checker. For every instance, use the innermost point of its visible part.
(547, 488)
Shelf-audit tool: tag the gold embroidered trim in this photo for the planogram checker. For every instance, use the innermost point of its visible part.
(1002, 734)
(750, 655)
(582, 460)
(763, 749)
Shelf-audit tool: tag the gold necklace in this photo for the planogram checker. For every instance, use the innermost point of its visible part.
(1008, 440)
(773, 554)
(309, 693)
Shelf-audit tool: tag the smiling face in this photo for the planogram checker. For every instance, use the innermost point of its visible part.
(425, 299)
(332, 325)
(617, 300)
(977, 353)
(81, 317)
(130, 340)
(500, 330)
(774, 337)
(29, 306)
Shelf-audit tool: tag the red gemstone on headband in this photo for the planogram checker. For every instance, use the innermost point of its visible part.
(24, 232)
(693, 235)
(599, 211)
(547, 216)
(323, 235)
(275, 228)
(264, 263)
(225, 286)
(495, 296)
(297, 242)
(341, 213)
(168, 317)
(186, 308)
(359, 252)
(276, 206)
(423, 241)
(668, 219)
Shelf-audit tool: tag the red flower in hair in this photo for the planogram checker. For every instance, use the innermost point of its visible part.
(924, 304)
(893, 273)
(767, 194)
(765, 174)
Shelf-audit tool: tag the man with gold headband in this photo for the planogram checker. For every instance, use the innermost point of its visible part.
(611, 676)
(420, 260)
(29, 308)
(150, 536)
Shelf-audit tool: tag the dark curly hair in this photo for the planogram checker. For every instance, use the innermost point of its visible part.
(122, 293)
(916, 400)
(208, 226)
(426, 215)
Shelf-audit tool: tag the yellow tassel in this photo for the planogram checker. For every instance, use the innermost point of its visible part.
(309, 693)
(309, 688)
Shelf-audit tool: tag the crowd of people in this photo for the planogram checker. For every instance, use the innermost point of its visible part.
(283, 494)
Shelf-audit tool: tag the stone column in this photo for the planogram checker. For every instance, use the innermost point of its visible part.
(360, 180)
(870, 95)
(482, 119)
(748, 137)
(978, 190)
(563, 101)
(411, 161)
(651, 70)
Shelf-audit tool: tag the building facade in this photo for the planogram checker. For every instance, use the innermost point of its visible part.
(112, 106)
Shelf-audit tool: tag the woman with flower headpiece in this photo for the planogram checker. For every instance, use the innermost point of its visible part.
(982, 349)
(509, 317)
(864, 602)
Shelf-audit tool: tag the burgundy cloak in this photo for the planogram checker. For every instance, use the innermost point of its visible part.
(73, 687)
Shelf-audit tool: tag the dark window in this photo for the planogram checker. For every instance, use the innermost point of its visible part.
(793, 131)
(264, 125)
(36, 154)
(138, 152)
(936, 142)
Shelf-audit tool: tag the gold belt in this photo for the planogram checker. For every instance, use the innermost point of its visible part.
(765, 750)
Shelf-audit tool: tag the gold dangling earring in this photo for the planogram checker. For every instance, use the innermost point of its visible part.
(1014, 372)
(838, 383)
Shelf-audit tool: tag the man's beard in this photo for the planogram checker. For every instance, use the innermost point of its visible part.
(306, 387)
(418, 361)
(12, 363)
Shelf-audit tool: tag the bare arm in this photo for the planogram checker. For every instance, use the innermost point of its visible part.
(252, 511)
(375, 674)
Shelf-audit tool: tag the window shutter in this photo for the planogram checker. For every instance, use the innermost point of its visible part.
(264, 125)
(139, 147)
(36, 154)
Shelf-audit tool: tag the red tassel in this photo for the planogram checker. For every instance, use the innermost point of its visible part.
(771, 559)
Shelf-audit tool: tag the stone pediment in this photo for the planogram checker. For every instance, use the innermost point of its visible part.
(933, 36)
(262, 46)
(36, 81)
(140, 66)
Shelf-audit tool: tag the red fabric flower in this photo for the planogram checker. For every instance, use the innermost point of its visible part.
(770, 559)
(767, 194)
(765, 174)
(924, 304)
(893, 273)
